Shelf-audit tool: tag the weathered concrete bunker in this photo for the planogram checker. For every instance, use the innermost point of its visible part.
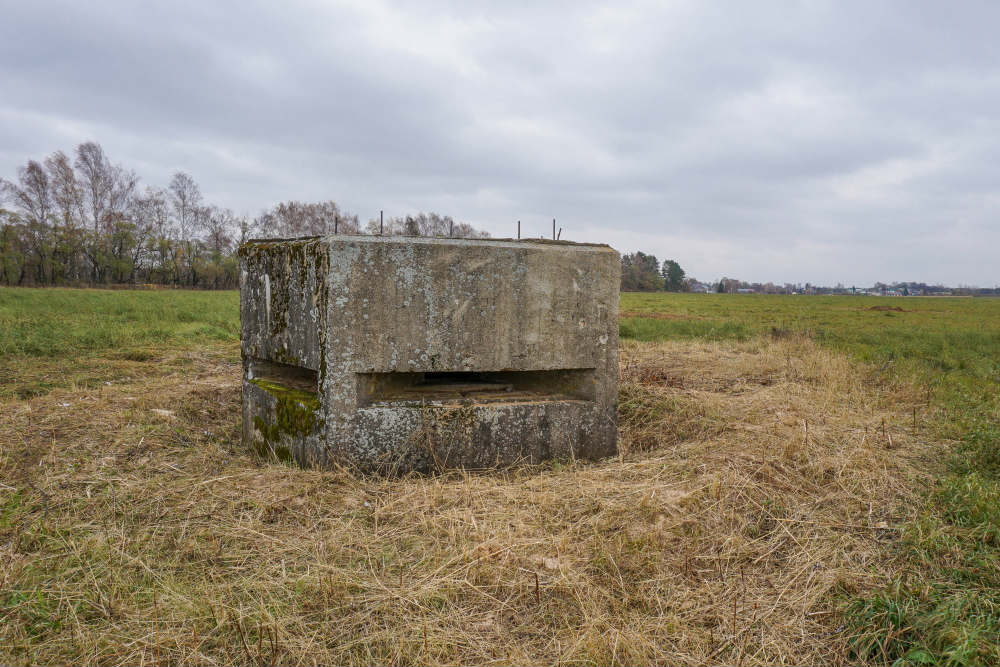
(392, 354)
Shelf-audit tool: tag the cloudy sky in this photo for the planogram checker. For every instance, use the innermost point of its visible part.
(795, 141)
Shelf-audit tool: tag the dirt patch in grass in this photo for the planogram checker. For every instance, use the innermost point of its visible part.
(887, 309)
(133, 529)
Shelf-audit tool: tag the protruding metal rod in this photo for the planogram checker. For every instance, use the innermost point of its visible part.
(336, 222)
(381, 224)
(553, 229)
(518, 229)
(451, 227)
(559, 235)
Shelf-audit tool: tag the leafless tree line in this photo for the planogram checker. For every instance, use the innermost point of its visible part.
(424, 224)
(84, 220)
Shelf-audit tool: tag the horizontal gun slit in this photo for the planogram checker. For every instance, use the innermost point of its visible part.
(570, 384)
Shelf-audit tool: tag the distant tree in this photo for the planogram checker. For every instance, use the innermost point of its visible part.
(70, 219)
(411, 227)
(69, 234)
(94, 174)
(67, 195)
(32, 194)
(218, 225)
(641, 273)
(13, 267)
(125, 234)
(425, 224)
(32, 198)
(293, 218)
(107, 195)
(248, 229)
(185, 197)
(721, 287)
(673, 276)
(153, 253)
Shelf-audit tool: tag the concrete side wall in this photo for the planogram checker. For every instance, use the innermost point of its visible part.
(283, 301)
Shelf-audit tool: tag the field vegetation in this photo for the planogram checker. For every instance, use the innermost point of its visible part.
(942, 605)
(802, 480)
(70, 337)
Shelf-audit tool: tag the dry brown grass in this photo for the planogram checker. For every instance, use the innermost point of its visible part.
(755, 482)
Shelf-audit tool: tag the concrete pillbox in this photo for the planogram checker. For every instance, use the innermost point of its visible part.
(391, 354)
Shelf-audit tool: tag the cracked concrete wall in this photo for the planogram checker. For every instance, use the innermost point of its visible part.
(340, 307)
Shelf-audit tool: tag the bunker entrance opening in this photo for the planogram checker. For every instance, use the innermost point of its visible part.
(575, 384)
(288, 375)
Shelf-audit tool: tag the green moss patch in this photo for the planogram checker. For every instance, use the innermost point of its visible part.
(295, 415)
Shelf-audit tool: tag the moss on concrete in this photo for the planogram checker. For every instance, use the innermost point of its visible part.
(295, 415)
(271, 435)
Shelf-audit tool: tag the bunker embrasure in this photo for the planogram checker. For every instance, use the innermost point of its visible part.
(392, 354)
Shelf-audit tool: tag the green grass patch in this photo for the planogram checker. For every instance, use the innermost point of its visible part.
(52, 338)
(67, 322)
(944, 607)
(644, 329)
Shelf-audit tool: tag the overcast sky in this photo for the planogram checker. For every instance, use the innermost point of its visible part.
(797, 141)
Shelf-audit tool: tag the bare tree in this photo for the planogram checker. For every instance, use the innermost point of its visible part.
(94, 173)
(13, 251)
(151, 218)
(218, 225)
(152, 205)
(108, 191)
(68, 202)
(425, 224)
(249, 228)
(79, 214)
(121, 192)
(67, 195)
(32, 196)
(292, 218)
(185, 196)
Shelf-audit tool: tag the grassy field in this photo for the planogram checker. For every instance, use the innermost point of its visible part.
(802, 480)
(53, 337)
(943, 606)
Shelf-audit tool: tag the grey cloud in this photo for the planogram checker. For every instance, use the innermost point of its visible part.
(816, 141)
